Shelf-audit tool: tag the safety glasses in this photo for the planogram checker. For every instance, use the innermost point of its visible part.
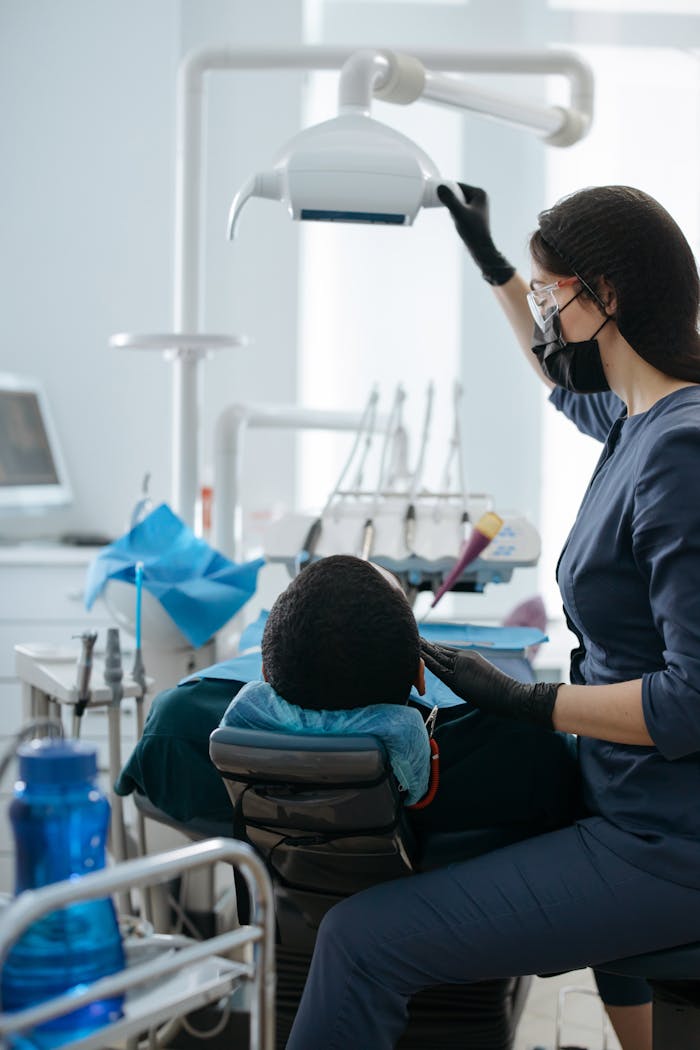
(542, 301)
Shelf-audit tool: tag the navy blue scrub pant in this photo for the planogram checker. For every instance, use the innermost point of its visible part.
(549, 904)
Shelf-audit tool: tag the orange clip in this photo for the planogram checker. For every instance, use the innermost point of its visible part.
(434, 779)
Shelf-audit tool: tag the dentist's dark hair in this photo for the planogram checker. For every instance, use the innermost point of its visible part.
(340, 636)
(625, 236)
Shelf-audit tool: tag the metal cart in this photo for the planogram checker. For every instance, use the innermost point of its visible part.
(166, 977)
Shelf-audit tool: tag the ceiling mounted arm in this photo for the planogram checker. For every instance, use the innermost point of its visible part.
(407, 80)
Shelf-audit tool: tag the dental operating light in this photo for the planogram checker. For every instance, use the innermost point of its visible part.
(348, 169)
(354, 168)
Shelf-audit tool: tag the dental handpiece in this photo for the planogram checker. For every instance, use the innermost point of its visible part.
(84, 671)
(308, 549)
(367, 539)
(409, 528)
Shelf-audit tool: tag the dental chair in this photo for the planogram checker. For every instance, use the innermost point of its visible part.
(326, 816)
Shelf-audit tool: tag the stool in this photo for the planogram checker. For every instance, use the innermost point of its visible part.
(675, 979)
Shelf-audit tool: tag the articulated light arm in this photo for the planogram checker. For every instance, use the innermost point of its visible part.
(407, 80)
(558, 127)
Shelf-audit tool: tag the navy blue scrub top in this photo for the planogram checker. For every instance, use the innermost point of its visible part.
(629, 577)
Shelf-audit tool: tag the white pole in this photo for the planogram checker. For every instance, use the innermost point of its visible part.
(186, 364)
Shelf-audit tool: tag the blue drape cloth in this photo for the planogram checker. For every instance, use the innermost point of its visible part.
(197, 586)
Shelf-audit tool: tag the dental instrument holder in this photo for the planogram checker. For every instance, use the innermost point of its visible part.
(439, 530)
(441, 518)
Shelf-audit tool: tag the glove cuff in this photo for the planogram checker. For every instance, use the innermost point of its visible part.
(498, 275)
(495, 268)
(538, 703)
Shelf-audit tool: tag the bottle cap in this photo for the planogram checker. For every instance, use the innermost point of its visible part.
(56, 761)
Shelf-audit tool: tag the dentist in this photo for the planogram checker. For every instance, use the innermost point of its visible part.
(614, 296)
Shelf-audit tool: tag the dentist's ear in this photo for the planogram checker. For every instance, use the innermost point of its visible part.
(264, 673)
(420, 678)
(608, 296)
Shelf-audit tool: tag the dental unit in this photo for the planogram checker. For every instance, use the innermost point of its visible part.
(431, 539)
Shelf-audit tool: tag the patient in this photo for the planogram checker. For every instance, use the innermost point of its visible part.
(341, 655)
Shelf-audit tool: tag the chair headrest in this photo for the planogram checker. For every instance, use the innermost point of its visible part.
(302, 758)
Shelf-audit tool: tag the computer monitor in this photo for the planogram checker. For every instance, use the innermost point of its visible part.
(32, 470)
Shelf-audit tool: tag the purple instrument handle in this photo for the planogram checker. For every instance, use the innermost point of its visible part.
(471, 549)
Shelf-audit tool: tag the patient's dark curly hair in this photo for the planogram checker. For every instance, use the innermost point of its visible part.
(625, 236)
(339, 637)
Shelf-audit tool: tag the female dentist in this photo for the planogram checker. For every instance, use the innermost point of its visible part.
(615, 294)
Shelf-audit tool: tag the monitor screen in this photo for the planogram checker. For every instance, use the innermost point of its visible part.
(32, 474)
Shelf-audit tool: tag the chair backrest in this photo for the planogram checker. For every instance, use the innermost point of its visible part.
(324, 811)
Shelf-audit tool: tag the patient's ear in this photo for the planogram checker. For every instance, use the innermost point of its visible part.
(264, 674)
(420, 678)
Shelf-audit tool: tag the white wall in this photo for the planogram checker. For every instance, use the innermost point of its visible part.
(86, 189)
(87, 118)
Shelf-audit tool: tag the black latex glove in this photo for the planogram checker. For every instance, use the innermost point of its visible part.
(478, 682)
(472, 222)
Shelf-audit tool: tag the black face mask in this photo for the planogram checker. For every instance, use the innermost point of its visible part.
(575, 366)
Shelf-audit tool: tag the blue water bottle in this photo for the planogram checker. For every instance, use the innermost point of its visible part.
(60, 820)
